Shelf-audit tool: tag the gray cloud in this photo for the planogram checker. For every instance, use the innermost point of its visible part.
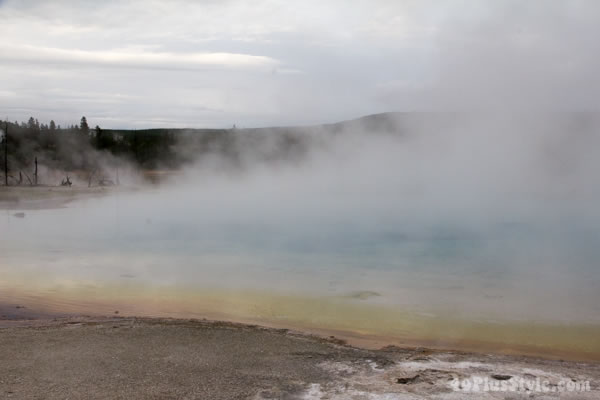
(133, 58)
(272, 63)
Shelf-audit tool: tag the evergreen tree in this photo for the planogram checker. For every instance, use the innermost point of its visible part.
(83, 126)
(96, 140)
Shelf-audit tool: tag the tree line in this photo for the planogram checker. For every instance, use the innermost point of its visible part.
(78, 147)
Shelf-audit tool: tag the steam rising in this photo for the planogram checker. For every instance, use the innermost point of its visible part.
(493, 208)
(450, 166)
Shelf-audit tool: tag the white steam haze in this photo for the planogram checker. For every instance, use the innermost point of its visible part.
(480, 215)
(476, 191)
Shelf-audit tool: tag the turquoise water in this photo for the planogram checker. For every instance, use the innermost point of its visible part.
(499, 270)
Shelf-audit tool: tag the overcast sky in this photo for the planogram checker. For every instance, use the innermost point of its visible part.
(216, 63)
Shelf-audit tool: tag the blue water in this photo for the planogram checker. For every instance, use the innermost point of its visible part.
(499, 265)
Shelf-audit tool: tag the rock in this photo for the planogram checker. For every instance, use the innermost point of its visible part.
(363, 294)
(500, 377)
(407, 380)
(106, 182)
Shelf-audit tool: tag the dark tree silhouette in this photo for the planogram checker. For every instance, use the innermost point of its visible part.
(6, 154)
(83, 126)
(65, 148)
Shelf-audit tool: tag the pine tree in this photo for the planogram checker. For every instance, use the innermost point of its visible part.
(83, 126)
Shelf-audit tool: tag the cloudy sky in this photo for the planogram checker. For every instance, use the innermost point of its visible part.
(215, 63)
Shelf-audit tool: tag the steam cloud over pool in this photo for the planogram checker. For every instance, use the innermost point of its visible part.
(439, 226)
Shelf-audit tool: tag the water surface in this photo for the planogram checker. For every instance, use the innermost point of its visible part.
(527, 282)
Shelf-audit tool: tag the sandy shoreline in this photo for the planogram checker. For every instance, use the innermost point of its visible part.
(318, 316)
(118, 357)
(44, 197)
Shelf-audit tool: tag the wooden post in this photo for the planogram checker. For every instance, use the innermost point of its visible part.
(135, 146)
(6, 154)
(35, 179)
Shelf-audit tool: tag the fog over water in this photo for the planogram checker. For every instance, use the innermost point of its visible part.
(478, 202)
(472, 216)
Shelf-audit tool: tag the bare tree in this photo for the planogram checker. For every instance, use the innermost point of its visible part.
(35, 174)
(6, 154)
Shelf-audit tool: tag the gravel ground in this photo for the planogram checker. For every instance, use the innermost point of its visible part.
(132, 358)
